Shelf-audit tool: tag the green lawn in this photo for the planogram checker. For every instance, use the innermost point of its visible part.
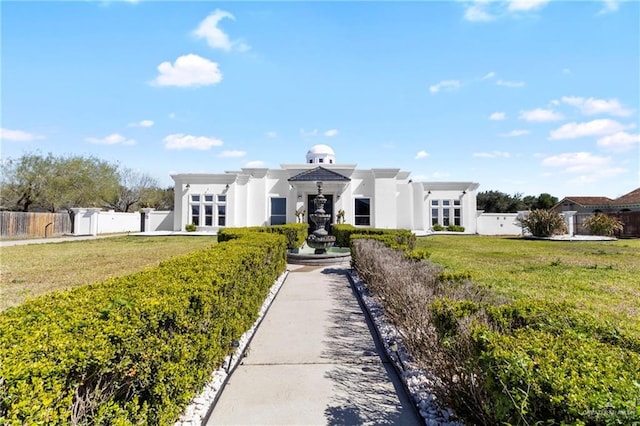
(32, 270)
(600, 277)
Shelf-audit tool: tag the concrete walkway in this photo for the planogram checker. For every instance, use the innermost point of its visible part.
(313, 361)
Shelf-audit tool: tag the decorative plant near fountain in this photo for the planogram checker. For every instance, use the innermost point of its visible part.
(320, 239)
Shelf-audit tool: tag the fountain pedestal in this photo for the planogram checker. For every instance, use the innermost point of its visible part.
(320, 239)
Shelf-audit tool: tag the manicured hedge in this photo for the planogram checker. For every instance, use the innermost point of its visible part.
(133, 349)
(295, 233)
(400, 239)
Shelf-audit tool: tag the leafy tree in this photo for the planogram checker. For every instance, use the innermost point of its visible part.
(35, 182)
(158, 198)
(24, 181)
(499, 202)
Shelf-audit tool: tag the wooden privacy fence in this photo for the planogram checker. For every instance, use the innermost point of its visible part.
(33, 225)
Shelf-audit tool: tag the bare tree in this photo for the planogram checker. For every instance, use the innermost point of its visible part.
(134, 186)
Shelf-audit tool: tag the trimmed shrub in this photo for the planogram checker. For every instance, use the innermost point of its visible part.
(190, 227)
(455, 228)
(416, 255)
(543, 223)
(401, 239)
(295, 233)
(133, 349)
(437, 227)
(602, 224)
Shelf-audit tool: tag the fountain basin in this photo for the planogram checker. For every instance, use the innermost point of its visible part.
(306, 256)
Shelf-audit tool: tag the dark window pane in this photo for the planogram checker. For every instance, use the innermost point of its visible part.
(363, 207)
(195, 198)
(208, 198)
(222, 221)
(222, 210)
(445, 202)
(362, 221)
(222, 198)
(278, 206)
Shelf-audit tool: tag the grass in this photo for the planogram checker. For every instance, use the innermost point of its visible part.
(33, 270)
(600, 277)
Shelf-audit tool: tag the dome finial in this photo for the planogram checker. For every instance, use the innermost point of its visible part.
(321, 154)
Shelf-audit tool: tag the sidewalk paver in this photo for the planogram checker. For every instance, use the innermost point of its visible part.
(314, 361)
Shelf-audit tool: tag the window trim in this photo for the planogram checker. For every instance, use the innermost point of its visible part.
(357, 216)
(272, 215)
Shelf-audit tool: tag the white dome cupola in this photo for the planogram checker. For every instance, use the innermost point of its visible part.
(321, 154)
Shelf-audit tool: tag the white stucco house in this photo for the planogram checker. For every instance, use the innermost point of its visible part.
(380, 197)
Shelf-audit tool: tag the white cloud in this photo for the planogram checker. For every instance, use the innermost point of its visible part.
(593, 106)
(619, 142)
(497, 116)
(305, 133)
(540, 115)
(514, 133)
(599, 127)
(208, 29)
(421, 154)
(574, 162)
(188, 70)
(331, 133)
(143, 123)
(447, 85)
(512, 84)
(440, 175)
(112, 139)
(182, 141)
(492, 154)
(271, 135)
(18, 135)
(609, 6)
(215, 37)
(477, 12)
(566, 71)
(587, 166)
(232, 154)
(526, 5)
(488, 75)
(255, 164)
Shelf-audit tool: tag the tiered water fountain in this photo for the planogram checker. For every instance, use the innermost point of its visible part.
(319, 248)
(320, 240)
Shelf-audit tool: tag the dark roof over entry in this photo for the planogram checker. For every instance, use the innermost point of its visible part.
(319, 174)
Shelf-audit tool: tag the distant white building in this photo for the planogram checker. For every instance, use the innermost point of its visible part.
(381, 198)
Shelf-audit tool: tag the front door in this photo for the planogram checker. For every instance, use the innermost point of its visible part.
(328, 208)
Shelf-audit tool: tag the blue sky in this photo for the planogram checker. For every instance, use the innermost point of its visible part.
(522, 96)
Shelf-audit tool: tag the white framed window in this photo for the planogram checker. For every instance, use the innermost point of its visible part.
(203, 207)
(278, 211)
(362, 211)
(446, 212)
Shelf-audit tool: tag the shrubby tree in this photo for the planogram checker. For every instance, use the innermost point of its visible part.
(499, 202)
(49, 183)
(158, 198)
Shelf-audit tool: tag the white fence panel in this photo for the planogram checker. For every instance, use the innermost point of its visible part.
(498, 224)
(160, 221)
(111, 222)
